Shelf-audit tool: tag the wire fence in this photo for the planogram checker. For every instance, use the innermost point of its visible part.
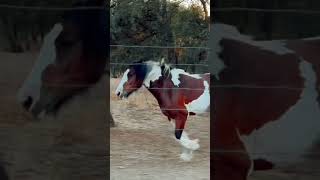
(45, 8)
(229, 9)
(298, 11)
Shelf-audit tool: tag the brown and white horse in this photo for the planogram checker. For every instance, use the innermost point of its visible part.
(72, 59)
(67, 86)
(265, 102)
(178, 93)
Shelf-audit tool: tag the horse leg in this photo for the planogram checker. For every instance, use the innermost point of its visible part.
(188, 146)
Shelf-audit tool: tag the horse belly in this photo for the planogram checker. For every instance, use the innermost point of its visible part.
(289, 138)
(202, 103)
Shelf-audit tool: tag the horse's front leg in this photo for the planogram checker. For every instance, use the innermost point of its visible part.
(182, 137)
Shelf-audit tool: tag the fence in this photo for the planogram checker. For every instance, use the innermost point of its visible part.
(230, 9)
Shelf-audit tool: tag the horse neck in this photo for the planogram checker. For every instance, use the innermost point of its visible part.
(158, 88)
(91, 104)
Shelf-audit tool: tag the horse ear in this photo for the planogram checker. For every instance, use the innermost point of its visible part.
(162, 62)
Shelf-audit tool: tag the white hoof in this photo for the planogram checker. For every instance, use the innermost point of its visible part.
(192, 145)
(186, 156)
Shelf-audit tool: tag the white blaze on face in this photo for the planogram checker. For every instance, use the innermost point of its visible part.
(47, 55)
(124, 79)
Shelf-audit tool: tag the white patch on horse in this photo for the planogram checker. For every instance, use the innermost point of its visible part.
(289, 138)
(153, 75)
(175, 74)
(224, 31)
(202, 103)
(187, 143)
(122, 82)
(47, 55)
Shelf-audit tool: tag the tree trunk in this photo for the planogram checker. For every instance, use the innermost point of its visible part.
(205, 9)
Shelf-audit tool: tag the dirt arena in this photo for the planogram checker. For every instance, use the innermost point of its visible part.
(142, 144)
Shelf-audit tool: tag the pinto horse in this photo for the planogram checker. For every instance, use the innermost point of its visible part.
(72, 59)
(178, 93)
(67, 85)
(266, 99)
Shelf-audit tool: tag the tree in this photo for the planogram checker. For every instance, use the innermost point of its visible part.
(204, 4)
(25, 27)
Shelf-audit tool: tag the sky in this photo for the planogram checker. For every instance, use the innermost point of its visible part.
(190, 2)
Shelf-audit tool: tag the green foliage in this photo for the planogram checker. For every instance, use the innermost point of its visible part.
(157, 23)
(23, 28)
(133, 22)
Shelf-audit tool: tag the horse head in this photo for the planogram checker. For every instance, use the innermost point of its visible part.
(132, 79)
(72, 59)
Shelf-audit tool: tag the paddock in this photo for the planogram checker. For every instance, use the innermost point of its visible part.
(140, 145)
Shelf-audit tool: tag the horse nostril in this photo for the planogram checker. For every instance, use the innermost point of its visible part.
(27, 103)
(118, 94)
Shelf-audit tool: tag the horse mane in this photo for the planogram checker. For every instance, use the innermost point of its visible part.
(142, 67)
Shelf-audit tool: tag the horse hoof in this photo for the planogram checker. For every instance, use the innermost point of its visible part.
(194, 145)
(186, 157)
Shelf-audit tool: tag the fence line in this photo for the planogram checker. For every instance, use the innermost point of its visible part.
(41, 8)
(239, 86)
(160, 47)
(300, 11)
(129, 64)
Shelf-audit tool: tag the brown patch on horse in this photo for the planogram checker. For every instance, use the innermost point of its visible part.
(172, 99)
(240, 110)
(249, 65)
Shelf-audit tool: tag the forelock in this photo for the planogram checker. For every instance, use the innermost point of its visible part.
(141, 69)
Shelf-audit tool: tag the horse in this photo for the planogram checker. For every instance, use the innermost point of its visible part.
(72, 58)
(265, 97)
(67, 84)
(179, 94)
